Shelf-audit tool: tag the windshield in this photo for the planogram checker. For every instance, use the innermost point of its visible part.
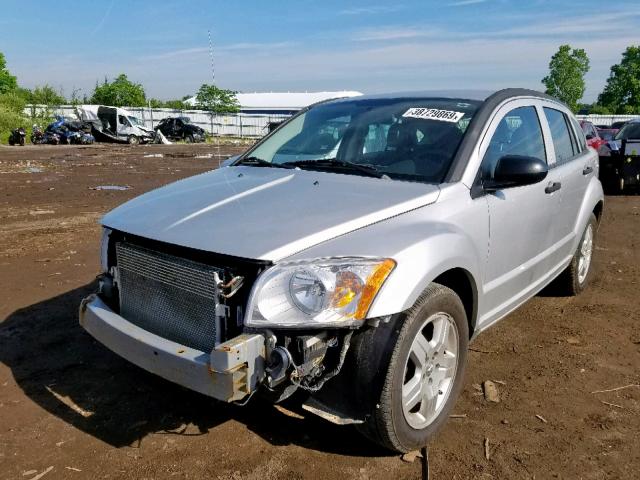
(135, 121)
(404, 139)
(630, 130)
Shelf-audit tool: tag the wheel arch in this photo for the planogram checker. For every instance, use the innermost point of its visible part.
(462, 283)
(597, 210)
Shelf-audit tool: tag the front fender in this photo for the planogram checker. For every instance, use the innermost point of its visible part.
(424, 243)
(420, 264)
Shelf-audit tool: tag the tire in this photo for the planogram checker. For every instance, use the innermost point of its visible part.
(391, 422)
(188, 138)
(575, 278)
(133, 140)
(621, 184)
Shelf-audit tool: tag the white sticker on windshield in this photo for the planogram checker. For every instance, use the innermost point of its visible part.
(434, 114)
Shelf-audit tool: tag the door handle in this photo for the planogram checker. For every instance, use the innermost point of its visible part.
(553, 187)
(587, 170)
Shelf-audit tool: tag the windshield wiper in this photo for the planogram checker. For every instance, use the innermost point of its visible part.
(259, 162)
(334, 164)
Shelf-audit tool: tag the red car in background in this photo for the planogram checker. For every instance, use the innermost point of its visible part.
(593, 138)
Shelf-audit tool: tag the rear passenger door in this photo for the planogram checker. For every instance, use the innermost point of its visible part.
(572, 167)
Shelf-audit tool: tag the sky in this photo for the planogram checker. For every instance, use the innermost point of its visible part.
(369, 46)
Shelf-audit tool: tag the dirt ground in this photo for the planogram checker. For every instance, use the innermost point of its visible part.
(69, 408)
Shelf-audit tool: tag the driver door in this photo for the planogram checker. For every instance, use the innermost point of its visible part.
(124, 127)
(520, 233)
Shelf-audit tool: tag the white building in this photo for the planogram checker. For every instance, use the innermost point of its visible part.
(270, 103)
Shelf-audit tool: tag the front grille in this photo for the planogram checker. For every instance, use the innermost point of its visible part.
(170, 296)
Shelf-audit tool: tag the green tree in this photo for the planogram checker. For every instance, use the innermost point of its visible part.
(120, 93)
(217, 100)
(8, 82)
(621, 94)
(46, 95)
(565, 80)
(174, 104)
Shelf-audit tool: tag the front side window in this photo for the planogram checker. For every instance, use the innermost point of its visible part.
(404, 139)
(518, 133)
(562, 141)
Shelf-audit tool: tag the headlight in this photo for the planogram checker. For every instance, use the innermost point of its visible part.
(325, 292)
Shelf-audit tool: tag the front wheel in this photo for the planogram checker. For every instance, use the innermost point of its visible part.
(188, 138)
(133, 140)
(425, 372)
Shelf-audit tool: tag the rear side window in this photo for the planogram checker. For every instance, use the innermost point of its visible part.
(580, 135)
(563, 142)
(518, 133)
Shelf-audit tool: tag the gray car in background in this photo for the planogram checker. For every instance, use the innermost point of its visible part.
(352, 254)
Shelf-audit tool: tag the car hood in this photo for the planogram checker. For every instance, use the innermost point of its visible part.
(193, 128)
(265, 213)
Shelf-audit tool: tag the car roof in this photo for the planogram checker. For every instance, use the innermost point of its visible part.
(457, 94)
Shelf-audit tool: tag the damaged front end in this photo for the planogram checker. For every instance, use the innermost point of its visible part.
(229, 327)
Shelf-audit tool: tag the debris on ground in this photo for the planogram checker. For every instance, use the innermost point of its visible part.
(411, 456)
(110, 187)
(41, 212)
(287, 412)
(491, 393)
(541, 418)
(486, 448)
(42, 474)
(70, 403)
(617, 388)
(154, 155)
(573, 341)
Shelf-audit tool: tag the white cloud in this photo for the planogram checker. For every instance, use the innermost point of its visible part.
(462, 3)
(372, 9)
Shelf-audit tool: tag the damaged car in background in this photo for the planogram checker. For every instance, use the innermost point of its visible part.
(352, 254)
(115, 125)
(181, 128)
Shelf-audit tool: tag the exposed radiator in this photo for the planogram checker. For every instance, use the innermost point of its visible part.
(173, 297)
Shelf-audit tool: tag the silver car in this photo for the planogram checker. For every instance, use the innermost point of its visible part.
(352, 254)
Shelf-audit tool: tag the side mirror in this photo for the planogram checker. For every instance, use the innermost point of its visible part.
(229, 161)
(516, 171)
(589, 136)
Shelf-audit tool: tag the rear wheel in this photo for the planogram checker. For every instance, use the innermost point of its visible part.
(577, 275)
(424, 374)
